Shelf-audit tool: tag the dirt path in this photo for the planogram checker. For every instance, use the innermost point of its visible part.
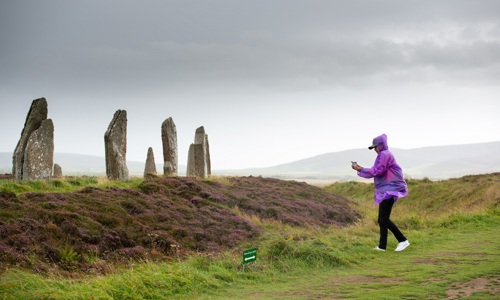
(454, 266)
(458, 290)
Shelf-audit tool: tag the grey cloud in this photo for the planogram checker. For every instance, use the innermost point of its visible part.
(226, 63)
(113, 44)
(458, 57)
(174, 64)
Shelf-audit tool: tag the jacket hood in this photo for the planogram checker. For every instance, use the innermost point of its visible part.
(381, 142)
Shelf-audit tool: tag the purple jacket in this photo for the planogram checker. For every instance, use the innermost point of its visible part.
(387, 174)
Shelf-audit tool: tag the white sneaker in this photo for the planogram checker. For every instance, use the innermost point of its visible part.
(378, 249)
(401, 246)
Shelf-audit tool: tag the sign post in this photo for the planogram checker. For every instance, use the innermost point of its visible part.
(249, 255)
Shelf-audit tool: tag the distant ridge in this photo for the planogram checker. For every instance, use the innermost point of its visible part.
(439, 162)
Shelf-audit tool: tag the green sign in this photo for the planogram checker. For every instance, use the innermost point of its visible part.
(249, 255)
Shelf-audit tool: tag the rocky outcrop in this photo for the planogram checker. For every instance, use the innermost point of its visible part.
(169, 140)
(57, 171)
(150, 169)
(199, 156)
(115, 144)
(28, 165)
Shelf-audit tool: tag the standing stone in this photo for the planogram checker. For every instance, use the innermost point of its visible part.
(115, 144)
(150, 168)
(196, 166)
(199, 136)
(190, 170)
(39, 152)
(169, 139)
(37, 113)
(207, 156)
(199, 156)
(57, 171)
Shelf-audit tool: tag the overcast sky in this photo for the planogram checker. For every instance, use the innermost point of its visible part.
(271, 81)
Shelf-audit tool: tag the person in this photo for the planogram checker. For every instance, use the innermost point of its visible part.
(389, 187)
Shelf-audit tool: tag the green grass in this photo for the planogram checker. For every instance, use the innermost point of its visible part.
(296, 265)
(436, 261)
(64, 185)
(452, 225)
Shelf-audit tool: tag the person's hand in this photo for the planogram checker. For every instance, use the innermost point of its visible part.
(357, 167)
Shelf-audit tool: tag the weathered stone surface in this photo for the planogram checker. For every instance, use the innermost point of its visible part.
(199, 136)
(39, 152)
(150, 168)
(115, 144)
(37, 113)
(190, 170)
(199, 164)
(196, 164)
(207, 156)
(57, 171)
(169, 139)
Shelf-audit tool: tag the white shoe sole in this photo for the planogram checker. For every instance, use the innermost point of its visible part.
(399, 249)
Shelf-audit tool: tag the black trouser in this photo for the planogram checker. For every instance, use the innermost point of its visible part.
(384, 214)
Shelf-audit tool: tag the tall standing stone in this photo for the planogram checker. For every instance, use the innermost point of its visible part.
(199, 155)
(196, 166)
(115, 144)
(199, 136)
(57, 171)
(37, 114)
(207, 156)
(190, 169)
(39, 152)
(150, 168)
(169, 140)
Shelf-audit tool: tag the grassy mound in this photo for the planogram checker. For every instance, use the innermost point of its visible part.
(430, 203)
(449, 223)
(166, 217)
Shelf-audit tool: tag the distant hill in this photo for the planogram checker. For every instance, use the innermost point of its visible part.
(438, 162)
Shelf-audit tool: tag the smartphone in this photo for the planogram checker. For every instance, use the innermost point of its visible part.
(354, 163)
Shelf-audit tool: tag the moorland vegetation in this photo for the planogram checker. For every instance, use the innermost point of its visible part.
(92, 228)
(176, 238)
